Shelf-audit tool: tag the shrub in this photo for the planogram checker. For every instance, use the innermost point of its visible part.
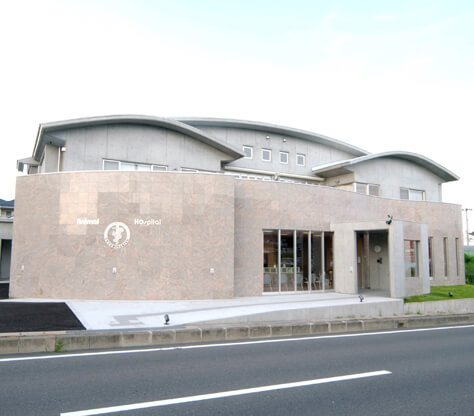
(469, 265)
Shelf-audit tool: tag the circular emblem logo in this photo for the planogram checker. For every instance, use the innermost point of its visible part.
(117, 235)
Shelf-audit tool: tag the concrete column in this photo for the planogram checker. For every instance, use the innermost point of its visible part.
(397, 259)
(345, 259)
(423, 258)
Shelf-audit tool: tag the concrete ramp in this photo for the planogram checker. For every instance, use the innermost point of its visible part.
(112, 315)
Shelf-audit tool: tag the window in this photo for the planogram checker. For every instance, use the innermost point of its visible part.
(456, 247)
(361, 188)
(300, 159)
(412, 194)
(445, 255)
(411, 258)
(111, 165)
(367, 189)
(266, 155)
(248, 152)
(430, 256)
(374, 189)
(284, 157)
(143, 168)
(6, 213)
(128, 166)
(297, 260)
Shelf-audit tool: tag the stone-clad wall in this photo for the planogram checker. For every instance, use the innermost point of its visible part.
(59, 250)
(275, 205)
(197, 236)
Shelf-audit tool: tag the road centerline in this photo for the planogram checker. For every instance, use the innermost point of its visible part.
(223, 394)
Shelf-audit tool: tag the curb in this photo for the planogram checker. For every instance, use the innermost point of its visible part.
(33, 342)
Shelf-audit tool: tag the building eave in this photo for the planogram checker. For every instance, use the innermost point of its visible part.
(45, 131)
(275, 129)
(415, 158)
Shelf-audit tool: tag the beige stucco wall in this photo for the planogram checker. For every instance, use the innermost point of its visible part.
(54, 257)
(273, 205)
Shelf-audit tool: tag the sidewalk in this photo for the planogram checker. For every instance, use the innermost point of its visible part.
(117, 324)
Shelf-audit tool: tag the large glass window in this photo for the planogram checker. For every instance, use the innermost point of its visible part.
(270, 261)
(287, 261)
(297, 261)
(316, 262)
(411, 258)
(445, 255)
(328, 262)
(430, 256)
(302, 247)
(456, 247)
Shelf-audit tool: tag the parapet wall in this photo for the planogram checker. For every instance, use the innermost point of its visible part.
(123, 235)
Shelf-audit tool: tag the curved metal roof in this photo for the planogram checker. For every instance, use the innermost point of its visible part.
(273, 128)
(415, 158)
(170, 124)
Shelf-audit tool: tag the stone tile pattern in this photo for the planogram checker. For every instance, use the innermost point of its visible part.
(199, 214)
(54, 257)
(274, 205)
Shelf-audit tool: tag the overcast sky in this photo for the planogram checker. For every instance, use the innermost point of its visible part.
(381, 75)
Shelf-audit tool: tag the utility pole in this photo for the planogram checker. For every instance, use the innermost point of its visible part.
(468, 237)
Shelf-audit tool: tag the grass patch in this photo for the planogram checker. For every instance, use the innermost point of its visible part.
(59, 346)
(469, 264)
(442, 293)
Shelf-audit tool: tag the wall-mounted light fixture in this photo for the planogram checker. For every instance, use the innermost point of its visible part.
(284, 140)
(390, 218)
(268, 137)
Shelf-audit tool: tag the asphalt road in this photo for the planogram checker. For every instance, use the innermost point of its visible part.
(425, 372)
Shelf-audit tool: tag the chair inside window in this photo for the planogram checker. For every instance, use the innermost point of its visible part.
(316, 281)
(267, 282)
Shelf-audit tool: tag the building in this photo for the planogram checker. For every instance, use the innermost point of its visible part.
(138, 207)
(6, 231)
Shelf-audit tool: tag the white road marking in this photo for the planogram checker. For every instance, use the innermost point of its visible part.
(219, 395)
(227, 344)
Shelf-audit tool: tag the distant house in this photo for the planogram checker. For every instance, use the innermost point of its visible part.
(141, 207)
(6, 231)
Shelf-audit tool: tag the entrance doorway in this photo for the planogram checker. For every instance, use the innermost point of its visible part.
(373, 270)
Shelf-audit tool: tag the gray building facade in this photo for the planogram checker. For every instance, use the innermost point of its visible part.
(139, 207)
